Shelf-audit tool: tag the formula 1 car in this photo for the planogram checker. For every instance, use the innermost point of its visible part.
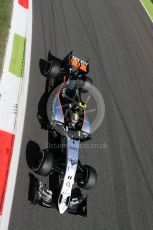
(68, 125)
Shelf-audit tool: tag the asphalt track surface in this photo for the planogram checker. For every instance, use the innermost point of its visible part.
(117, 37)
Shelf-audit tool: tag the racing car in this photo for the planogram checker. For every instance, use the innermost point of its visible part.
(68, 125)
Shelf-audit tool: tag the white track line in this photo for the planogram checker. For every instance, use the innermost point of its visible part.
(19, 130)
(146, 10)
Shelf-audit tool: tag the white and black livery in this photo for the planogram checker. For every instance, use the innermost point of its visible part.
(68, 125)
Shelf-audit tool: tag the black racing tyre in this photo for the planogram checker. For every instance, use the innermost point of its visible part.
(52, 69)
(89, 177)
(43, 162)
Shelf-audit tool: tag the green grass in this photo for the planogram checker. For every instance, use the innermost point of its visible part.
(149, 6)
(5, 18)
(17, 57)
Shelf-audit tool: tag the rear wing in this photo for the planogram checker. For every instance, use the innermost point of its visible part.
(75, 62)
(69, 62)
(80, 64)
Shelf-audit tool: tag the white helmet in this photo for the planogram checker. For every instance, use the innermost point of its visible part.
(74, 117)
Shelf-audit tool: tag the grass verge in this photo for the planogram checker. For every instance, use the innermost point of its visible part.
(5, 19)
(17, 56)
(148, 4)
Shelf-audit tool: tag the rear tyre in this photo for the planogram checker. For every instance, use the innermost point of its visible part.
(89, 177)
(43, 162)
(52, 69)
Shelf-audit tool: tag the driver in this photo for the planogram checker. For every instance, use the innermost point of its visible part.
(74, 118)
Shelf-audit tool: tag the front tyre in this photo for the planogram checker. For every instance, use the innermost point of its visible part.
(89, 177)
(43, 162)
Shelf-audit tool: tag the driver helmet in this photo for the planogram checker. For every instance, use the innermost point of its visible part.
(74, 118)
